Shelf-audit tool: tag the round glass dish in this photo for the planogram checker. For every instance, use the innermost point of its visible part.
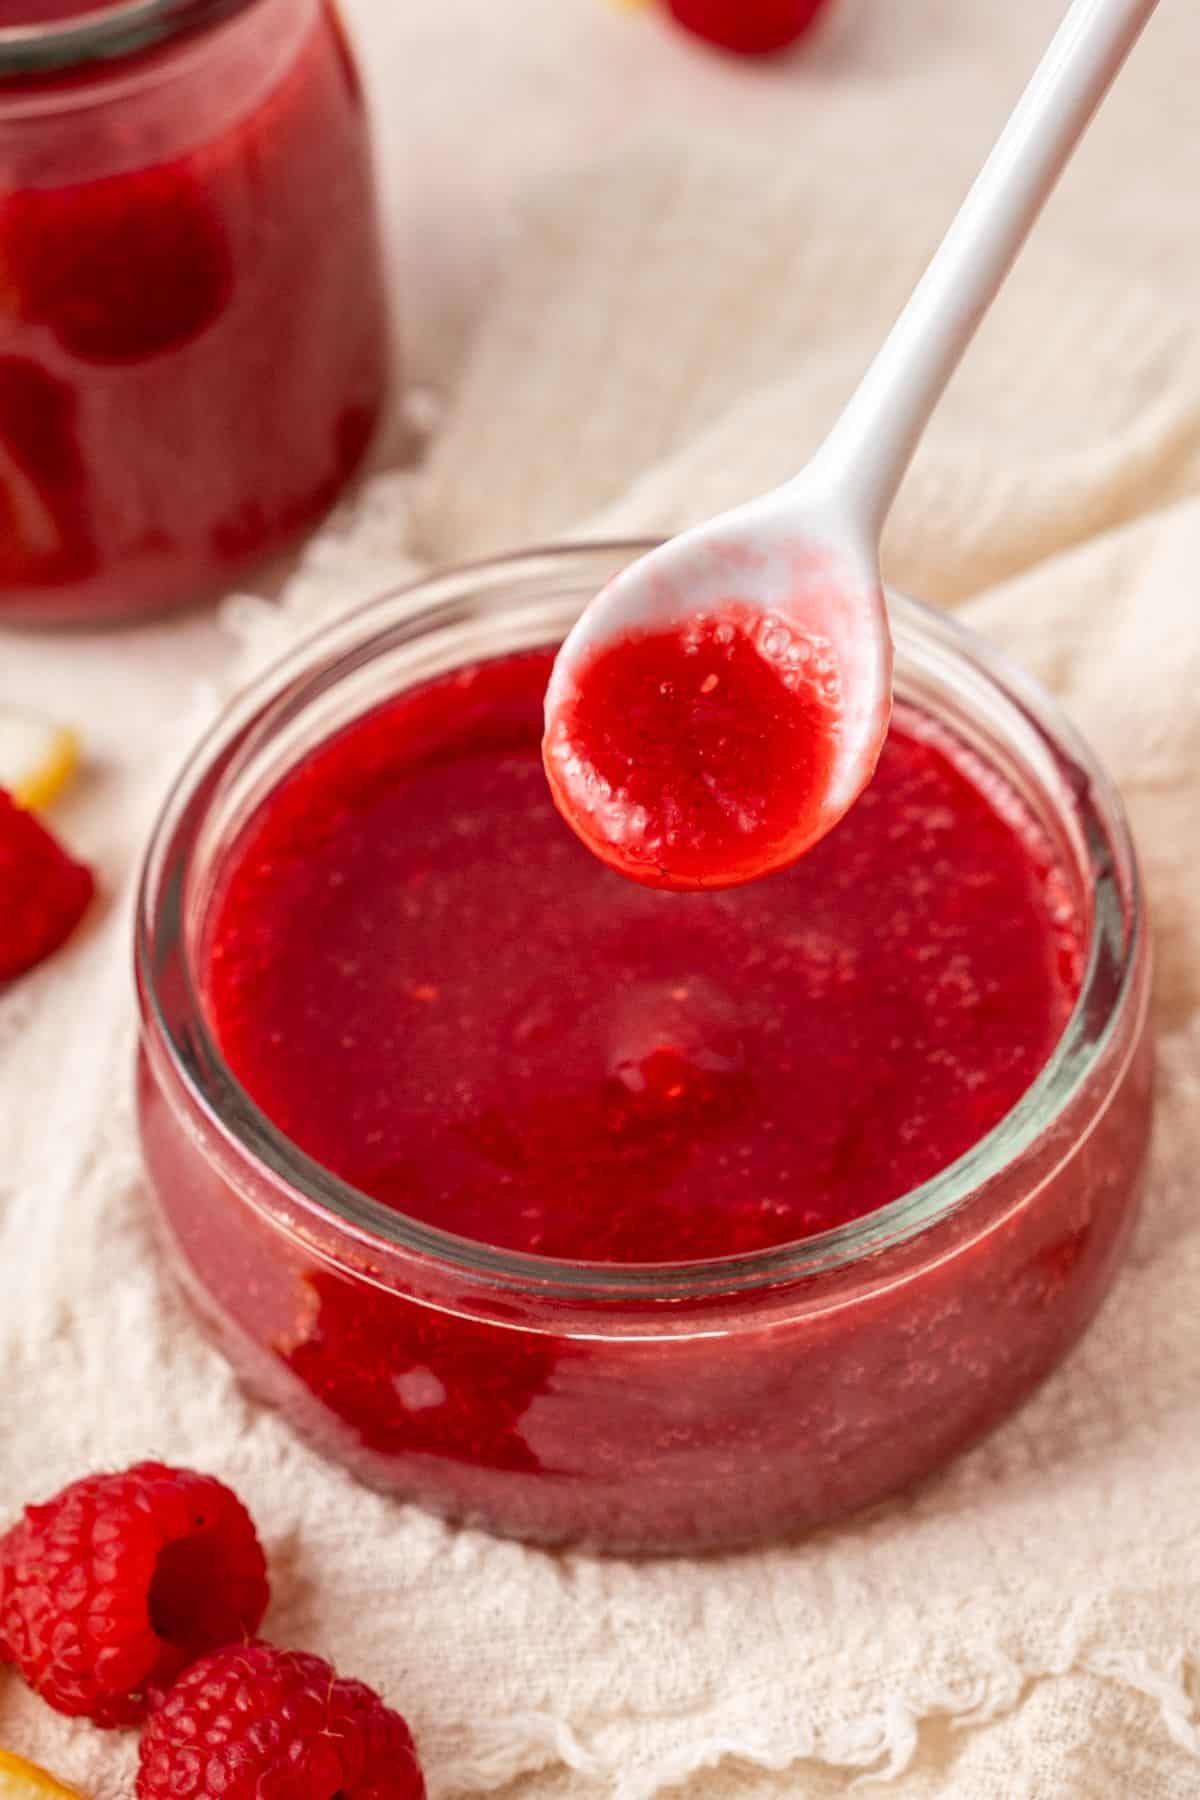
(194, 352)
(636, 1407)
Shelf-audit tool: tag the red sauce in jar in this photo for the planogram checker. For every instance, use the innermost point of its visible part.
(431, 986)
(516, 1044)
(193, 344)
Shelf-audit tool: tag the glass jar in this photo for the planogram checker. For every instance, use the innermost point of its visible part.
(624, 1407)
(194, 332)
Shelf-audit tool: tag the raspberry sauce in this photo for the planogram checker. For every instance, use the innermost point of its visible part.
(193, 319)
(699, 756)
(518, 1045)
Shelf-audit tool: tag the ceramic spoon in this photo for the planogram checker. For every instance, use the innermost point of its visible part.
(803, 561)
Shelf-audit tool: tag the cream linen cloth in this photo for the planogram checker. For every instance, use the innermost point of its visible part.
(677, 332)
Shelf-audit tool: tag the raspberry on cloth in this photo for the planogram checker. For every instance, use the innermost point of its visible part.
(747, 27)
(253, 1720)
(43, 892)
(111, 1588)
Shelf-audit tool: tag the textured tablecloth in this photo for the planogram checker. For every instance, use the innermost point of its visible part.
(626, 346)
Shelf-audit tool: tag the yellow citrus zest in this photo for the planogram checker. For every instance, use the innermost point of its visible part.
(21, 1780)
(37, 757)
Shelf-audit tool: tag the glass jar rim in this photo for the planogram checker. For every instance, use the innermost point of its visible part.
(110, 34)
(1115, 948)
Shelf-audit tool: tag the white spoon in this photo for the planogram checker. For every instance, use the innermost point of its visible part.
(808, 552)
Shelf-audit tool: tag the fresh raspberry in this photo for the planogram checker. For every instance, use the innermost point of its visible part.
(747, 27)
(253, 1722)
(43, 891)
(111, 1588)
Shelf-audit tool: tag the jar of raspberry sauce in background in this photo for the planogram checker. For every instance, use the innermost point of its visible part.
(193, 345)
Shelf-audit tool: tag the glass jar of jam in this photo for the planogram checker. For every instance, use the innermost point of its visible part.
(193, 347)
(600, 1215)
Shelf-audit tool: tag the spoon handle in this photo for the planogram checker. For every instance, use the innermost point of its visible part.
(865, 456)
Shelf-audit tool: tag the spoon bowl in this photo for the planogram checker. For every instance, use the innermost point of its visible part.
(810, 601)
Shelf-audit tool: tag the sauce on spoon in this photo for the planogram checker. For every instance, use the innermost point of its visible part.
(697, 755)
